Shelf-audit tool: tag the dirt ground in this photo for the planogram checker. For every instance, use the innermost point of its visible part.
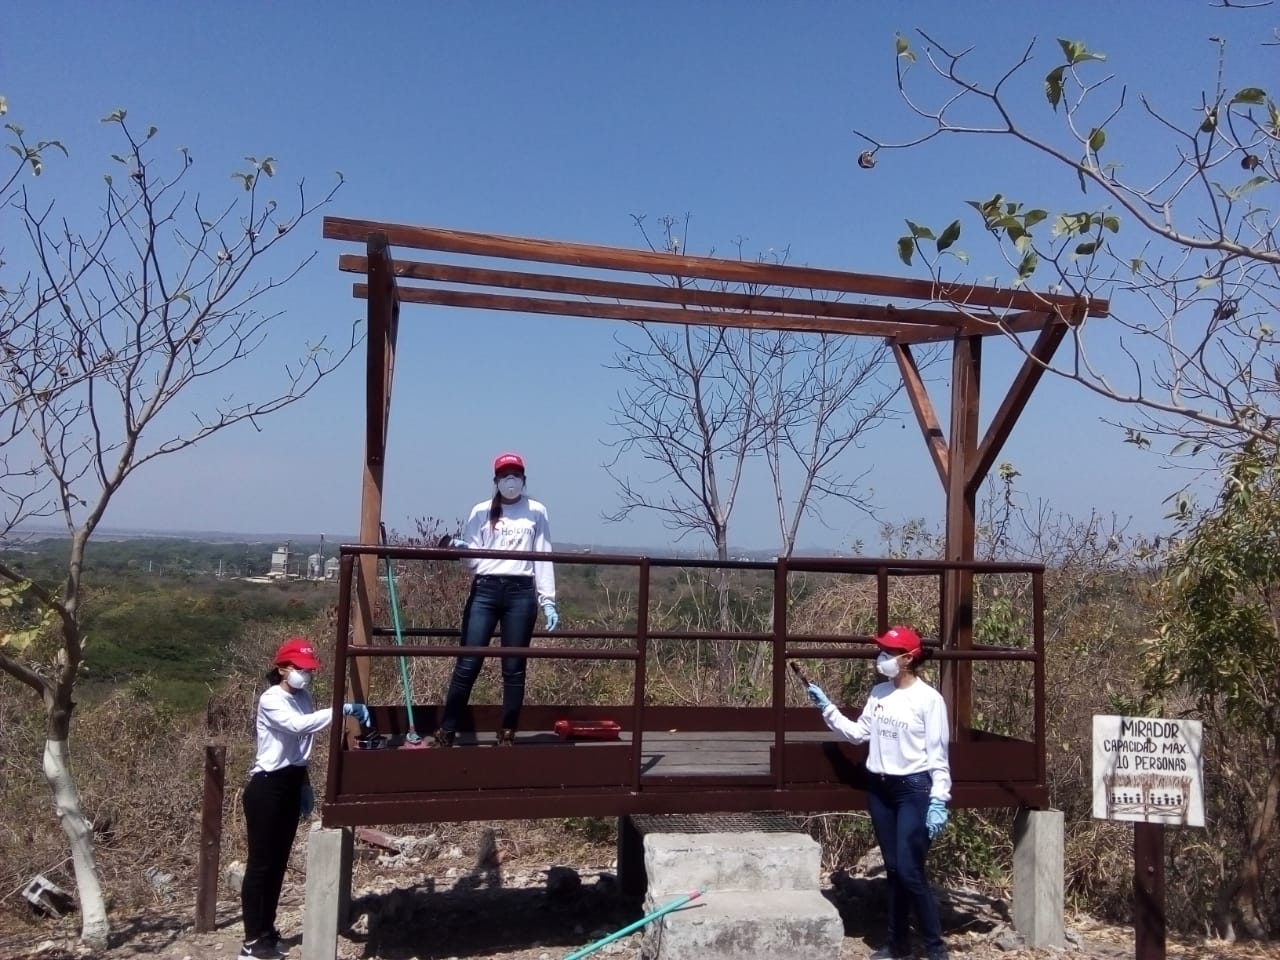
(437, 907)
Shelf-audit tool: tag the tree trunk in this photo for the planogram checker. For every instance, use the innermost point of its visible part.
(725, 649)
(94, 927)
(1248, 899)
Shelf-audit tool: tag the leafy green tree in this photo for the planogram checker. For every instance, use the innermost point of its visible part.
(1219, 644)
(1176, 224)
(115, 337)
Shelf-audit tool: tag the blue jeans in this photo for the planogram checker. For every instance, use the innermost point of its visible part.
(898, 806)
(513, 602)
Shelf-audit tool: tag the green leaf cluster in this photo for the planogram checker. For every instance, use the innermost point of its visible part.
(1218, 634)
(907, 244)
(1075, 53)
(23, 620)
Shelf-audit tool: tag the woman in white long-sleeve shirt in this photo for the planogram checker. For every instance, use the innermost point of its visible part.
(506, 591)
(904, 724)
(279, 793)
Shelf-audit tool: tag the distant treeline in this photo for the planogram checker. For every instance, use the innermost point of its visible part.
(159, 556)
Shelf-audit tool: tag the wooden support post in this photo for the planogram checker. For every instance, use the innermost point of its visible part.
(957, 612)
(918, 394)
(1148, 891)
(383, 320)
(210, 857)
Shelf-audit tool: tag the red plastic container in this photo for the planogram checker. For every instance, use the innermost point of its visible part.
(587, 729)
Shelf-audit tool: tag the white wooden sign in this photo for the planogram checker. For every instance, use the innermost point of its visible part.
(1148, 770)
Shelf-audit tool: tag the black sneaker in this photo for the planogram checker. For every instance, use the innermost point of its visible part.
(442, 738)
(264, 948)
(891, 952)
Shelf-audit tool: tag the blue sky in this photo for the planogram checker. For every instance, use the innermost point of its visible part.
(561, 120)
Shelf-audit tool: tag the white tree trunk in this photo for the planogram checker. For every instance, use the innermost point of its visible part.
(94, 926)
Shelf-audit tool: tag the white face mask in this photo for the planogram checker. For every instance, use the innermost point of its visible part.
(298, 679)
(887, 665)
(511, 487)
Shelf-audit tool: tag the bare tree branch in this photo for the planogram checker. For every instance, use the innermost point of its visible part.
(111, 346)
(1194, 294)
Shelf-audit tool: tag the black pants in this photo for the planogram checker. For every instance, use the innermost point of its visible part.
(272, 807)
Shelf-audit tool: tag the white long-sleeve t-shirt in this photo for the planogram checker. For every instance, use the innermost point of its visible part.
(906, 732)
(522, 526)
(287, 724)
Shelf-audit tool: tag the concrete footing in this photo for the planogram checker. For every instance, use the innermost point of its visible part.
(761, 897)
(328, 897)
(1039, 867)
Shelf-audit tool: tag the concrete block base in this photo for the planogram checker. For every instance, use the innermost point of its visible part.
(328, 892)
(676, 863)
(783, 925)
(1038, 876)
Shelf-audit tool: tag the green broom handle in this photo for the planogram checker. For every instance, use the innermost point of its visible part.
(395, 619)
(630, 928)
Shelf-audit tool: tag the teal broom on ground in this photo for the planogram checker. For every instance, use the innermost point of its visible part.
(675, 904)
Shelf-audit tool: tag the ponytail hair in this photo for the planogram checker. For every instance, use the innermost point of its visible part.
(274, 676)
(927, 650)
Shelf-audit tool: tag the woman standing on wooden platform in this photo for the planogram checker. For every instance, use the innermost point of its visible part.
(905, 724)
(503, 591)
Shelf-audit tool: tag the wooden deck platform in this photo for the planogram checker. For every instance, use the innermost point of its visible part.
(675, 770)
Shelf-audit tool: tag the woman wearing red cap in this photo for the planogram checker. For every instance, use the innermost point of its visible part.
(507, 591)
(905, 724)
(278, 794)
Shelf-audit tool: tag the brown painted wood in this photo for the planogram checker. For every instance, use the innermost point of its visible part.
(1150, 927)
(641, 314)
(961, 529)
(427, 770)
(1029, 321)
(972, 762)
(677, 265)
(950, 319)
(210, 856)
(381, 330)
(926, 416)
(1015, 401)
(356, 810)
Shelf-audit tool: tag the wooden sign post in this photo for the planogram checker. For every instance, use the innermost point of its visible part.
(1149, 771)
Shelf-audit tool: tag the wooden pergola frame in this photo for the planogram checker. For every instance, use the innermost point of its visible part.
(909, 312)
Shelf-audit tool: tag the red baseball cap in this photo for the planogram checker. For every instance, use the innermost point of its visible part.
(508, 461)
(900, 640)
(299, 652)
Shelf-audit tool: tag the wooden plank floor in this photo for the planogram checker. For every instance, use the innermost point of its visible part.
(674, 753)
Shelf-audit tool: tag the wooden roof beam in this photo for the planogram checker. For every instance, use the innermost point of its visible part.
(643, 314)
(959, 321)
(708, 268)
(977, 325)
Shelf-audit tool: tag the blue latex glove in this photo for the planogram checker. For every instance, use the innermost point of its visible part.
(359, 711)
(935, 817)
(550, 614)
(308, 801)
(816, 695)
(459, 543)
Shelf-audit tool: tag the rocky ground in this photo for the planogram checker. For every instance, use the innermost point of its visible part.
(428, 902)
